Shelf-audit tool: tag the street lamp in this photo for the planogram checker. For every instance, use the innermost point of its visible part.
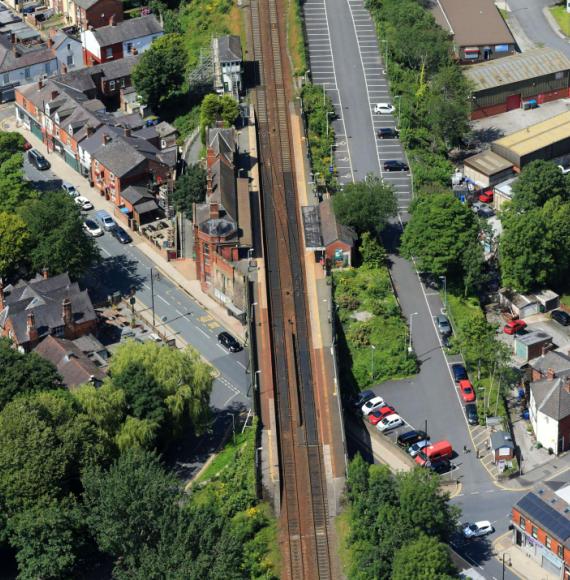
(328, 113)
(411, 328)
(444, 280)
(373, 349)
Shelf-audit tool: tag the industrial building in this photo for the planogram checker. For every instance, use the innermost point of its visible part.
(542, 74)
(487, 169)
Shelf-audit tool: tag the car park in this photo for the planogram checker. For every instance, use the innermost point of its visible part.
(514, 326)
(414, 449)
(471, 414)
(439, 465)
(38, 160)
(390, 422)
(435, 452)
(478, 529)
(83, 203)
(410, 437)
(121, 235)
(372, 405)
(70, 189)
(377, 415)
(383, 108)
(561, 317)
(92, 228)
(446, 340)
(387, 133)
(362, 398)
(393, 165)
(459, 372)
(443, 325)
(229, 342)
(466, 390)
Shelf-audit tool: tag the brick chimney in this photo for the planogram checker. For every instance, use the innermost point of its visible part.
(112, 21)
(210, 156)
(45, 273)
(49, 43)
(209, 183)
(31, 329)
(106, 139)
(550, 374)
(127, 132)
(54, 95)
(67, 314)
(214, 210)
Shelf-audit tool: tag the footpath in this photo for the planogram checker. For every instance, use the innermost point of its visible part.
(178, 271)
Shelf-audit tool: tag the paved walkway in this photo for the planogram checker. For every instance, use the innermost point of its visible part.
(177, 270)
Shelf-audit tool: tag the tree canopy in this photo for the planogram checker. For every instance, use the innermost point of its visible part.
(423, 559)
(190, 188)
(217, 108)
(366, 205)
(538, 182)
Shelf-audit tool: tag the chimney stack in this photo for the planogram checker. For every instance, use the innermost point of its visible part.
(67, 315)
(112, 21)
(31, 329)
(89, 130)
(54, 95)
(127, 131)
(567, 385)
(49, 43)
(209, 182)
(214, 210)
(45, 273)
(106, 139)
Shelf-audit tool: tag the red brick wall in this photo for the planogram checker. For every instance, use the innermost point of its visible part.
(338, 245)
(100, 14)
(29, 107)
(89, 59)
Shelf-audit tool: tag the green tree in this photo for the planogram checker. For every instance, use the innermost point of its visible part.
(160, 73)
(11, 143)
(13, 242)
(556, 214)
(14, 189)
(538, 182)
(105, 406)
(372, 252)
(57, 238)
(365, 206)
(217, 108)
(423, 559)
(24, 373)
(190, 188)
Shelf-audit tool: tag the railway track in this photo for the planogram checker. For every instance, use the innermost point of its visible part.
(304, 517)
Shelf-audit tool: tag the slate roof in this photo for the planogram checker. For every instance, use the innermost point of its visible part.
(85, 4)
(501, 439)
(222, 141)
(9, 61)
(331, 230)
(74, 366)
(229, 48)
(164, 129)
(135, 194)
(118, 157)
(551, 397)
(127, 30)
(44, 297)
(224, 186)
(557, 361)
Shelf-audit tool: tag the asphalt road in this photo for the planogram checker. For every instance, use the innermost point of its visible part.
(124, 267)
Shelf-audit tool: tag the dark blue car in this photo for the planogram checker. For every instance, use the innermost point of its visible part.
(459, 372)
(362, 398)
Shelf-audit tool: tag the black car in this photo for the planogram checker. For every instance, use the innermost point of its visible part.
(471, 414)
(439, 466)
(561, 317)
(387, 133)
(121, 235)
(358, 400)
(411, 437)
(393, 165)
(228, 341)
(38, 160)
(459, 372)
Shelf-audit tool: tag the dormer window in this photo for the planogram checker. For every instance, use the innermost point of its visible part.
(56, 118)
(70, 130)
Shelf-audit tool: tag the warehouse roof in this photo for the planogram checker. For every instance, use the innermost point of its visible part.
(537, 136)
(516, 68)
(488, 163)
(472, 22)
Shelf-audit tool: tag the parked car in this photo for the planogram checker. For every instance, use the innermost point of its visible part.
(478, 529)
(487, 196)
(362, 397)
(561, 317)
(435, 452)
(38, 160)
(121, 235)
(372, 405)
(377, 415)
(383, 108)
(70, 189)
(446, 340)
(443, 325)
(390, 422)
(105, 219)
(387, 133)
(471, 414)
(438, 465)
(83, 203)
(27, 145)
(229, 342)
(514, 326)
(414, 449)
(459, 372)
(92, 228)
(486, 212)
(410, 437)
(393, 165)
(466, 390)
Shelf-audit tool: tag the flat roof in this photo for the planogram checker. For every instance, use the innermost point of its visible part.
(537, 136)
(488, 163)
(516, 68)
(312, 227)
(505, 187)
(473, 22)
(534, 337)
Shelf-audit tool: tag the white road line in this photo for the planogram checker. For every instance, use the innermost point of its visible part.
(106, 252)
(179, 313)
(241, 364)
(161, 298)
(146, 286)
(203, 332)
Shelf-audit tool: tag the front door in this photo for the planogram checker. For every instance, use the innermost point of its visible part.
(513, 102)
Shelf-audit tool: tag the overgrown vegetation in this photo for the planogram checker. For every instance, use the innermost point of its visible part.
(434, 108)
(373, 337)
(399, 524)
(295, 37)
(319, 114)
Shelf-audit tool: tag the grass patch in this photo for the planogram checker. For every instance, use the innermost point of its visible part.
(503, 13)
(186, 123)
(565, 300)
(460, 308)
(295, 37)
(562, 18)
(342, 525)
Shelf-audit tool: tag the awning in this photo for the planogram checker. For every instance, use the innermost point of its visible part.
(472, 49)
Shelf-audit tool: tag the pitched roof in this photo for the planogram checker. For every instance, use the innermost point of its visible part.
(74, 366)
(222, 142)
(118, 157)
(127, 30)
(24, 57)
(86, 4)
(557, 361)
(552, 397)
(331, 230)
(229, 48)
(501, 439)
(135, 194)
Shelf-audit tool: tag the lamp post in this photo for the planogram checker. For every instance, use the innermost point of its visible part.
(444, 280)
(328, 123)
(373, 349)
(411, 328)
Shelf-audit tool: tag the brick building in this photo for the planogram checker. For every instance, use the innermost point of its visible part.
(32, 310)
(87, 14)
(541, 527)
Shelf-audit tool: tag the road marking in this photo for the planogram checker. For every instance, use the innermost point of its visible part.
(203, 332)
(146, 286)
(241, 365)
(106, 252)
(161, 298)
(222, 348)
(179, 313)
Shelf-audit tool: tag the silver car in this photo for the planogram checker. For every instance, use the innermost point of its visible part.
(417, 447)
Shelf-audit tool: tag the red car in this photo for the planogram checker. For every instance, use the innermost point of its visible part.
(377, 416)
(486, 196)
(27, 146)
(467, 391)
(514, 326)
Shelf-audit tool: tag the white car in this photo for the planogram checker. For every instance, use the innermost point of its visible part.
(70, 189)
(92, 228)
(372, 405)
(478, 529)
(390, 422)
(83, 202)
(384, 108)
(417, 447)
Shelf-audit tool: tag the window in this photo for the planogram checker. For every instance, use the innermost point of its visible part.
(6, 80)
(561, 552)
(129, 47)
(534, 533)
(27, 73)
(68, 46)
(69, 60)
(47, 67)
(111, 85)
(559, 75)
(548, 542)
(111, 177)
(123, 83)
(109, 53)
(522, 522)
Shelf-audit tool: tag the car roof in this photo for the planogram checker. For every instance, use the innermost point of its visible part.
(374, 400)
(90, 221)
(483, 523)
